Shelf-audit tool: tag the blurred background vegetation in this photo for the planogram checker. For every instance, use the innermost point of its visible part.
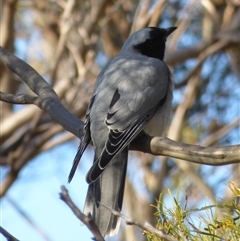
(69, 41)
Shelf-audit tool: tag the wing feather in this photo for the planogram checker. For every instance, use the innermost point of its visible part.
(84, 141)
(116, 142)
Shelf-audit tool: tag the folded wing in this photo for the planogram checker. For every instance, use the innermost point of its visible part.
(131, 108)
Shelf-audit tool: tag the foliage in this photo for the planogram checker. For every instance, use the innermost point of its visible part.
(178, 222)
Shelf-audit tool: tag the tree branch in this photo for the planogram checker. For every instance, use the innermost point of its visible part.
(87, 220)
(22, 156)
(220, 133)
(213, 156)
(19, 99)
(145, 227)
(47, 100)
(7, 235)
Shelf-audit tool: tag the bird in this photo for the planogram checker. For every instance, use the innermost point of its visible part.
(132, 95)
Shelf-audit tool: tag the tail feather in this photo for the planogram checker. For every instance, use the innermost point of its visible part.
(83, 145)
(108, 189)
(76, 161)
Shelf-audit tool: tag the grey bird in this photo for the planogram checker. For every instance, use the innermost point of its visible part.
(132, 94)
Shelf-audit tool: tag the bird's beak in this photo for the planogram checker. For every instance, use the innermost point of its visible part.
(170, 30)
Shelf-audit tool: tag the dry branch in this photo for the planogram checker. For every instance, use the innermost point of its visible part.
(213, 156)
(7, 235)
(145, 227)
(87, 220)
(47, 99)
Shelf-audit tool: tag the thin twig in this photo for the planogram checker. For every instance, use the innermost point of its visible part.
(7, 235)
(220, 133)
(145, 226)
(86, 219)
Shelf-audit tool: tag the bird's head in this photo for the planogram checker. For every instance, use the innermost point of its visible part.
(149, 41)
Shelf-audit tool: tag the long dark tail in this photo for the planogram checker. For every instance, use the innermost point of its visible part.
(108, 189)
